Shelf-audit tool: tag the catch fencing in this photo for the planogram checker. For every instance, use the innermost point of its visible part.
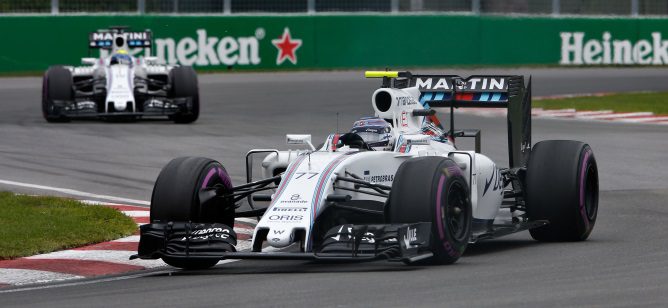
(229, 7)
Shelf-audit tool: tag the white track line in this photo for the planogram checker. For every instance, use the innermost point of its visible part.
(616, 115)
(136, 213)
(553, 112)
(19, 277)
(591, 113)
(85, 282)
(247, 220)
(74, 192)
(602, 115)
(131, 239)
(243, 231)
(111, 256)
(643, 120)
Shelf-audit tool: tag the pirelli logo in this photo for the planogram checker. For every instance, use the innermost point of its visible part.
(448, 84)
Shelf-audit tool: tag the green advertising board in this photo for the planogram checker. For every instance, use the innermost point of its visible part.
(32, 43)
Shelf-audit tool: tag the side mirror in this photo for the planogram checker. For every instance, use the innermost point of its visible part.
(88, 61)
(299, 139)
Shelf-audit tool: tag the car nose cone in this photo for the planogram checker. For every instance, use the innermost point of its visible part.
(279, 238)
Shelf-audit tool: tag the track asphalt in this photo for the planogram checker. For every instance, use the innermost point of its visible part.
(625, 262)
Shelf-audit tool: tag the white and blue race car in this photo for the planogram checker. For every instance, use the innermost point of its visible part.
(395, 187)
(120, 85)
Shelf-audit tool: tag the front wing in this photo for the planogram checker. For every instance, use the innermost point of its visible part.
(394, 242)
(89, 109)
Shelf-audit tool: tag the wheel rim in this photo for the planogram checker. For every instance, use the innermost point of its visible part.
(211, 178)
(456, 212)
(210, 208)
(591, 192)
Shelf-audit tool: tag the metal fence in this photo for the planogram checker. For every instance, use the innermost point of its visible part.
(554, 7)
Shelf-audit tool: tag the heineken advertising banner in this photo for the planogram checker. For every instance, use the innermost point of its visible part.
(32, 43)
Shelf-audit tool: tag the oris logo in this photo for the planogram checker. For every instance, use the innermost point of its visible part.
(286, 218)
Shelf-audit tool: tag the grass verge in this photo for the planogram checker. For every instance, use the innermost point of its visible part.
(32, 225)
(656, 102)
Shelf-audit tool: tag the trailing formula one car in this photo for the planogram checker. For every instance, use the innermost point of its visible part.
(120, 85)
(395, 187)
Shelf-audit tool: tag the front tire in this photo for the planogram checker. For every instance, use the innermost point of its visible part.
(562, 187)
(184, 84)
(57, 84)
(433, 189)
(176, 198)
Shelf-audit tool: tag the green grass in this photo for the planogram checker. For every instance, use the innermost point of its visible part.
(31, 225)
(656, 102)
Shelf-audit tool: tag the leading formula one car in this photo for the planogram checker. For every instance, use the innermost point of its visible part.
(120, 85)
(395, 187)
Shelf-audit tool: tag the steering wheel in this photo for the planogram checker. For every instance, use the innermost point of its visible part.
(354, 141)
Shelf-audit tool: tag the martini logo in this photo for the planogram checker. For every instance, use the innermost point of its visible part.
(576, 49)
(287, 47)
(444, 84)
(433, 84)
(108, 36)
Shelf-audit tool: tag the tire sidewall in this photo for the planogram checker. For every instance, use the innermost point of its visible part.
(587, 218)
(185, 84)
(56, 85)
(561, 175)
(175, 197)
(420, 194)
(176, 192)
(214, 174)
(445, 244)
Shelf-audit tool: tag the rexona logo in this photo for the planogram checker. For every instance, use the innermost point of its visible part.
(576, 49)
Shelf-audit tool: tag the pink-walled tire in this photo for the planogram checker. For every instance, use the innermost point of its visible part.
(176, 198)
(433, 189)
(562, 188)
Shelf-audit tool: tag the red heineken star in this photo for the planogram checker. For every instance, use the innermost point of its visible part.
(286, 47)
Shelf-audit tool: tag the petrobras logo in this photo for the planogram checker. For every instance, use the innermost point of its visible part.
(578, 49)
(380, 178)
(204, 48)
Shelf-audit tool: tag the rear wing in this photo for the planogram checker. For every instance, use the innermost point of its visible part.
(480, 91)
(118, 37)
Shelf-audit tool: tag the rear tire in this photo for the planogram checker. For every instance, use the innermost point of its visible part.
(57, 84)
(184, 84)
(176, 198)
(562, 187)
(433, 189)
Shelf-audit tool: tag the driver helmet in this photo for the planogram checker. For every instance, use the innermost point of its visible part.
(376, 132)
(120, 59)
